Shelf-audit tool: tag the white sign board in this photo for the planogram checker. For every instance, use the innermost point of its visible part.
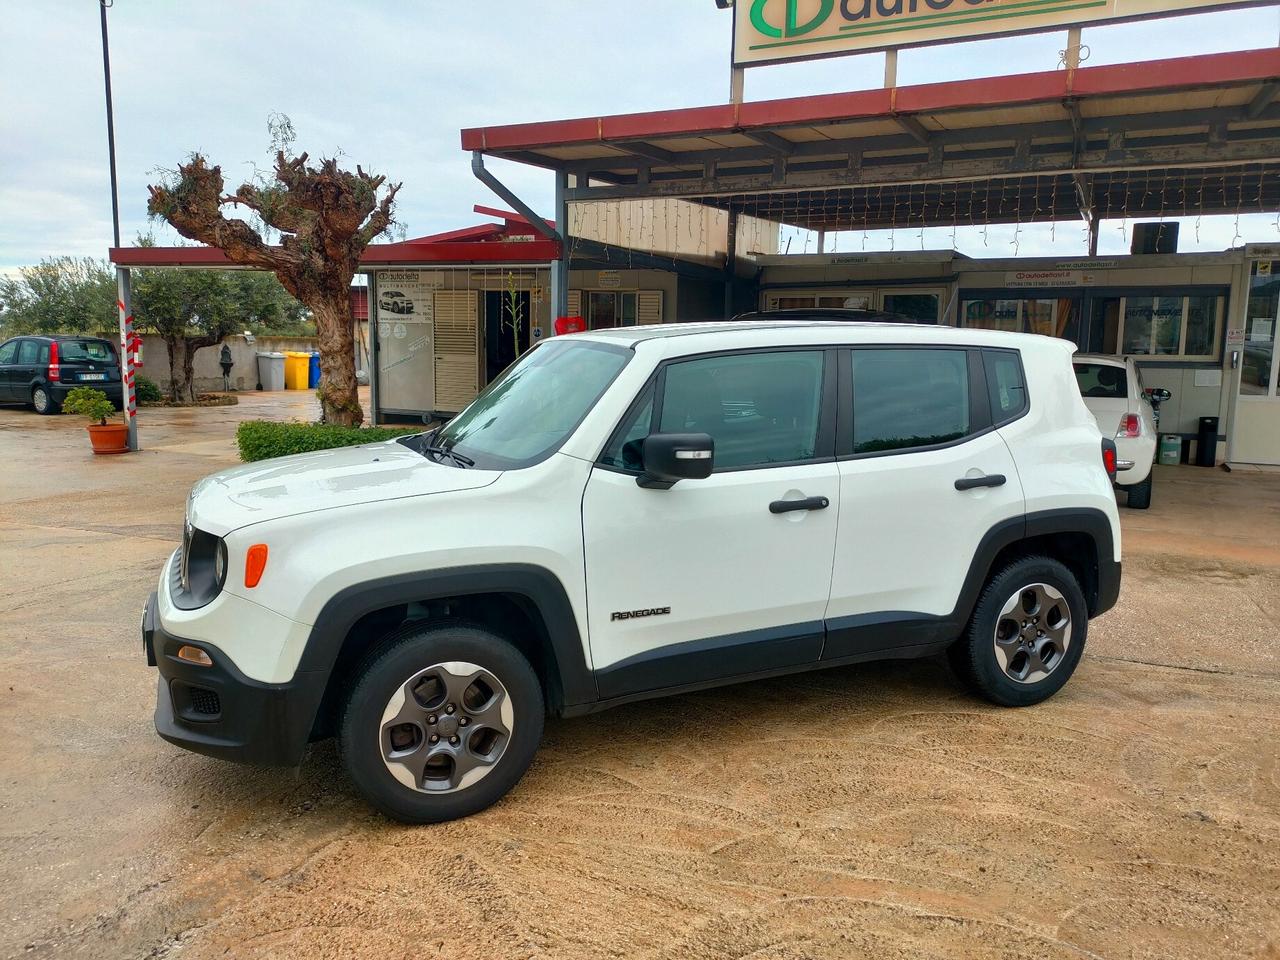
(404, 311)
(1047, 278)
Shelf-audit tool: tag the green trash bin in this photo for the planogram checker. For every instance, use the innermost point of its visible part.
(1170, 449)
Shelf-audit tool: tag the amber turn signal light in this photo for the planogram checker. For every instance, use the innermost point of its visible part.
(194, 655)
(255, 561)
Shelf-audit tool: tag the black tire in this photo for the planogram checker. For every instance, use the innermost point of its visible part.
(974, 655)
(43, 401)
(386, 672)
(1140, 493)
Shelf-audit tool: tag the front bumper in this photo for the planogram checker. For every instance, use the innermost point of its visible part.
(1108, 585)
(218, 711)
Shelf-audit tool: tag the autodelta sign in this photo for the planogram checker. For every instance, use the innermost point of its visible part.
(767, 31)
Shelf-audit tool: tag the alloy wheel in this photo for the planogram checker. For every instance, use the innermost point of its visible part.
(40, 399)
(1032, 633)
(445, 727)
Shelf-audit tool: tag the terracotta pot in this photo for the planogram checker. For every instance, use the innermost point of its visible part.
(112, 438)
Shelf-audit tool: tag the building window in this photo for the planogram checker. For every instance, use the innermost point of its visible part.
(1050, 316)
(1260, 330)
(1169, 326)
(610, 308)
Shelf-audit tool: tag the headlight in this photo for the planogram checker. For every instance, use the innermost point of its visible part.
(203, 569)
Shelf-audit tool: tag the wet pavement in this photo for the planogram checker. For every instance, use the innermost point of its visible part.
(871, 811)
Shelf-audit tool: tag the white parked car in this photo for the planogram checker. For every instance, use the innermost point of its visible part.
(631, 513)
(1113, 391)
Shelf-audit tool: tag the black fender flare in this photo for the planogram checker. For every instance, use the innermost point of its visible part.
(537, 585)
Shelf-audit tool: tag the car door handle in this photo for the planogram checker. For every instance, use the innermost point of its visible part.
(990, 480)
(808, 503)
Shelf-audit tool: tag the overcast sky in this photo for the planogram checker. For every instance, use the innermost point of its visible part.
(390, 84)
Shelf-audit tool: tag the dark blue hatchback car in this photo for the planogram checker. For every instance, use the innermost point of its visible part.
(39, 371)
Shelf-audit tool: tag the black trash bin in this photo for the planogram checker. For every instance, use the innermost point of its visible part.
(1207, 444)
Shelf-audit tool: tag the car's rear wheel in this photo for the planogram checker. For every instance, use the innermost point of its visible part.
(443, 721)
(1140, 493)
(44, 402)
(1026, 635)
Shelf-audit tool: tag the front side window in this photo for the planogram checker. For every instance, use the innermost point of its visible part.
(759, 408)
(528, 412)
(9, 352)
(906, 398)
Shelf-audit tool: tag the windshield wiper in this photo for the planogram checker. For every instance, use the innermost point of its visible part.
(457, 458)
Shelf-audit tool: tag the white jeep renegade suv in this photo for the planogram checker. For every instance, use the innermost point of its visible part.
(633, 513)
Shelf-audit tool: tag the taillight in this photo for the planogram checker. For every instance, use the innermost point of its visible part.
(54, 374)
(1130, 426)
(1109, 457)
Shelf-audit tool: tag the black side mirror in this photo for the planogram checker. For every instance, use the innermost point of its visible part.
(669, 457)
(1159, 394)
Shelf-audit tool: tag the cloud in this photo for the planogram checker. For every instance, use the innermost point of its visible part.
(390, 85)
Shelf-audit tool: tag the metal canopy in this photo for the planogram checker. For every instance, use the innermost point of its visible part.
(1160, 138)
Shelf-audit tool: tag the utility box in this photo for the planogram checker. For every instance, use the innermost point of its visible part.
(1170, 450)
(271, 371)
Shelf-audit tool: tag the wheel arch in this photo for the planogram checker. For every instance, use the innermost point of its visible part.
(526, 604)
(1080, 538)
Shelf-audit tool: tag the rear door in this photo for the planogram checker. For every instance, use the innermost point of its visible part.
(24, 369)
(924, 476)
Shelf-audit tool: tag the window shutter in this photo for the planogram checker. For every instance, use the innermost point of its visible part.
(575, 303)
(649, 306)
(457, 348)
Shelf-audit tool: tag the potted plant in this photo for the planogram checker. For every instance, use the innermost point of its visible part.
(93, 404)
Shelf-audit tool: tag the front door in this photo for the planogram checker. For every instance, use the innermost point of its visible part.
(724, 576)
(8, 357)
(922, 421)
(1255, 435)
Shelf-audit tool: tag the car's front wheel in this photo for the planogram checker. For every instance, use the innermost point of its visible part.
(1026, 635)
(444, 720)
(44, 402)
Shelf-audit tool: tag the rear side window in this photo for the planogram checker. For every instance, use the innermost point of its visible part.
(1101, 380)
(905, 398)
(1005, 384)
(28, 351)
(73, 350)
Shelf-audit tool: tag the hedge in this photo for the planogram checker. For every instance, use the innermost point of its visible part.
(262, 439)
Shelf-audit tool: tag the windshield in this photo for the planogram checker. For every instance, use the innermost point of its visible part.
(529, 411)
(100, 350)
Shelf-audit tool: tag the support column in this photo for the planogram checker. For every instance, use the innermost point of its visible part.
(1094, 224)
(737, 82)
(129, 393)
(560, 266)
(731, 264)
(890, 68)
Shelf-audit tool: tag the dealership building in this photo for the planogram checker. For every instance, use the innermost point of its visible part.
(674, 216)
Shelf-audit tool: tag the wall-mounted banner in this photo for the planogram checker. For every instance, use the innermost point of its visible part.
(1048, 278)
(771, 31)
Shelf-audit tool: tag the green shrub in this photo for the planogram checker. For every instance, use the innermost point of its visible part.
(146, 390)
(90, 403)
(262, 439)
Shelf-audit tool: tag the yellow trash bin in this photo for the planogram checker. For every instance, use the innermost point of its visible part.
(295, 370)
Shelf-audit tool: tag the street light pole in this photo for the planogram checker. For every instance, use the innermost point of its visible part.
(128, 396)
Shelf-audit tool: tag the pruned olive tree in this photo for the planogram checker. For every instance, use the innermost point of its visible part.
(325, 216)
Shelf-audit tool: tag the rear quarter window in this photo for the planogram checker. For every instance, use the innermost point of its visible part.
(1006, 385)
(1101, 381)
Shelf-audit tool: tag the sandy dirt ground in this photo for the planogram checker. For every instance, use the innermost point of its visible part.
(875, 811)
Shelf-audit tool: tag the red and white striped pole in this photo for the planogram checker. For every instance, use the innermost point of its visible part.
(128, 347)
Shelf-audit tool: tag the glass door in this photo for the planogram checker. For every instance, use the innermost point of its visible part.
(1255, 435)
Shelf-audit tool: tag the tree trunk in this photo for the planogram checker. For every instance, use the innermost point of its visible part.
(181, 363)
(335, 330)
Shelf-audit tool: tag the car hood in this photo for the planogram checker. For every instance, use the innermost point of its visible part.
(306, 482)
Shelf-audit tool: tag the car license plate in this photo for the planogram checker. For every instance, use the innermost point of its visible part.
(93, 376)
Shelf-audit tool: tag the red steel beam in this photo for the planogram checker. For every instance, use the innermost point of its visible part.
(1114, 80)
